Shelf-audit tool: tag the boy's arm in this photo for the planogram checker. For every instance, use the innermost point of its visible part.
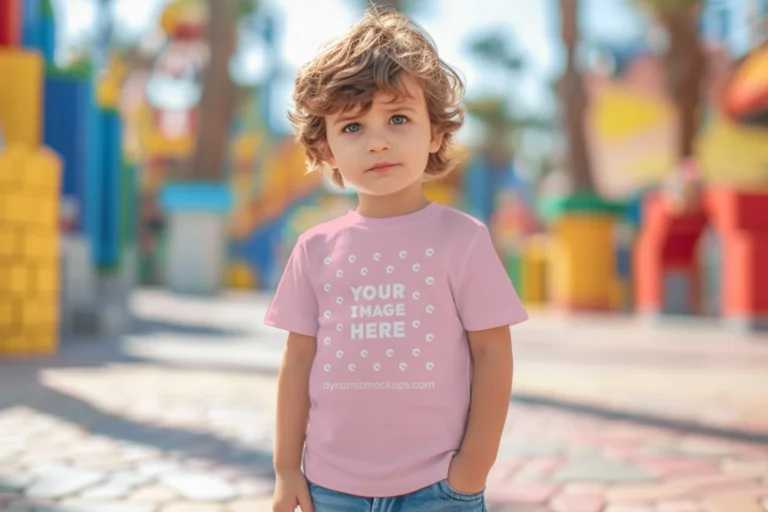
(491, 389)
(293, 402)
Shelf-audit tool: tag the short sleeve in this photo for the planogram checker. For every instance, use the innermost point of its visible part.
(485, 295)
(294, 304)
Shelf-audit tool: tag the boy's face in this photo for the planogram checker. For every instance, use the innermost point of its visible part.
(385, 150)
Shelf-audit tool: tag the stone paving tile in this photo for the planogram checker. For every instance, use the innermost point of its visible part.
(522, 493)
(63, 481)
(193, 507)
(200, 486)
(599, 468)
(577, 503)
(733, 505)
(103, 506)
(154, 494)
(251, 505)
(630, 508)
(679, 506)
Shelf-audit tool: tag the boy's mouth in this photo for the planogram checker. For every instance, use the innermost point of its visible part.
(382, 166)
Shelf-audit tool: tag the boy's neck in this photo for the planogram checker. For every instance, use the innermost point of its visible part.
(408, 200)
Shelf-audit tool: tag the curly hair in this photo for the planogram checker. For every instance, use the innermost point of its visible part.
(371, 58)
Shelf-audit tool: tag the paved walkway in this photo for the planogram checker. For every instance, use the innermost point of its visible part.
(692, 372)
(178, 417)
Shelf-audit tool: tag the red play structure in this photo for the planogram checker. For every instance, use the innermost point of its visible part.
(10, 30)
(668, 244)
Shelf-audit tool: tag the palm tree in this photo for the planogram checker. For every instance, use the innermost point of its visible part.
(573, 100)
(496, 111)
(684, 63)
(219, 91)
(495, 49)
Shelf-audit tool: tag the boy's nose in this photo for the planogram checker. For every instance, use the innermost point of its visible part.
(377, 144)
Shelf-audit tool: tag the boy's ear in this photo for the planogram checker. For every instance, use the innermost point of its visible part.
(436, 141)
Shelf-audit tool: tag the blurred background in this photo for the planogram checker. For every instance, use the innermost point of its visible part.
(151, 192)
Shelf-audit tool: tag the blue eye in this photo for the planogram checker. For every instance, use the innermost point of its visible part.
(352, 128)
(399, 119)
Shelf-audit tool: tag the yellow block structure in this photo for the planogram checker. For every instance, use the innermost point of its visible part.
(240, 277)
(582, 268)
(21, 96)
(29, 252)
(534, 269)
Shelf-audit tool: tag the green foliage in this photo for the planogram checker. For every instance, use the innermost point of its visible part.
(661, 8)
(245, 8)
(496, 112)
(495, 48)
(47, 8)
(492, 110)
(81, 69)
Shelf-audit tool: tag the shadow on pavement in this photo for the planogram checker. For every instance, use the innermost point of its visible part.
(22, 384)
(677, 425)
(145, 326)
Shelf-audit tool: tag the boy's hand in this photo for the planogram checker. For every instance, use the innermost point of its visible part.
(291, 491)
(465, 476)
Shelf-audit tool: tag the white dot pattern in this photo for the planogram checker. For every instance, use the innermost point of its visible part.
(378, 258)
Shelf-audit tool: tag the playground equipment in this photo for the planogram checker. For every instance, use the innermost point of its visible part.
(29, 192)
(668, 272)
(29, 312)
(65, 229)
(746, 98)
(583, 266)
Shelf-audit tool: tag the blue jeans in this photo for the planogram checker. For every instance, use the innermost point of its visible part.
(439, 497)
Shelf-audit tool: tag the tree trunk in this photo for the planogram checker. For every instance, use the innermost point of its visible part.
(573, 99)
(685, 63)
(218, 103)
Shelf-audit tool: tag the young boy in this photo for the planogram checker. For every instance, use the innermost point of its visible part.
(396, 378)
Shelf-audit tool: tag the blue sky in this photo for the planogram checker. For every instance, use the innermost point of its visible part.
(534, 24)
(450, 22)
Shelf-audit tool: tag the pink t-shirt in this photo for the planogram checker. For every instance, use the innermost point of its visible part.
(389, 301)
